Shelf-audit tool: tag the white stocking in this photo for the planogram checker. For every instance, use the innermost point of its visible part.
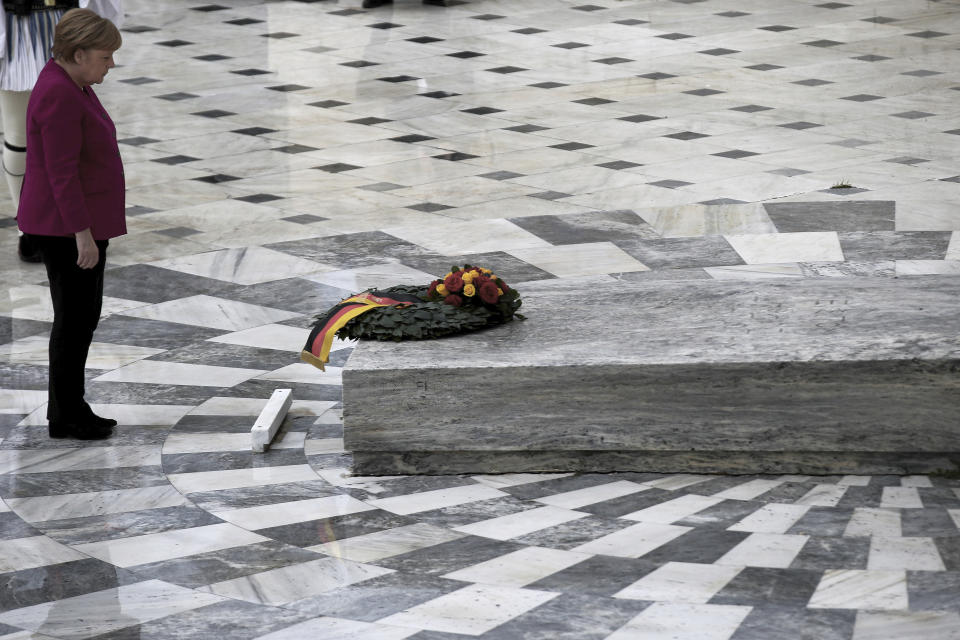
(13, 104)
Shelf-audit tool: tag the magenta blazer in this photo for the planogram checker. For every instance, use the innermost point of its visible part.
(74, 173)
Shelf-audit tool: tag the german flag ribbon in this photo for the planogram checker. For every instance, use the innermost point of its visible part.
(317, 349)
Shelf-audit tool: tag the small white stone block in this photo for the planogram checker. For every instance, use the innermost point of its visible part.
(270, 419)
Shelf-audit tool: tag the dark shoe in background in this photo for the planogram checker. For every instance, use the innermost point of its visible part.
(78, 430)
(373, 4)
(27, 251)
(438, 3)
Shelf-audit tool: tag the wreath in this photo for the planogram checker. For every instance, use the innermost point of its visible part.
(465, 299)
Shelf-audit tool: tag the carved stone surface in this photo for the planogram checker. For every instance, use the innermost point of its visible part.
(806, 376)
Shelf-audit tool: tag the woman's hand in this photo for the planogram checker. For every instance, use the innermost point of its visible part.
(88, 255)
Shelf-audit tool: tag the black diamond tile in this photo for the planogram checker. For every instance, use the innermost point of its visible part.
(800, 125)
(670, 184)
(778, 27)
(243, 21)
(254, 131)
(506, 69)
(549, 195)
(685, 135)
(213, 113)
(466, 54)
(424, 39)
(369, 121)
(286, 88)
(880, 20)
(398, 78)
(811, 82)
(870, 57)
(719, 51)
(589, 7)
(487, 16)
(345, 12)
(381, 186)
(172, 160)
(328, 104)
(438, 94)
(250, 72)
(594, 101)
(952, 179)
(732, 14)
(548, 85)
(751, 108)
(526, 128)
(413, 137)
(482, 111)
(907, 160)
(528, 31)
(953, 132)
(258, 198)
(178, 232)
(675, 36)
(455, 156)
(736, 153)
(140, 80)
(619, 165)
(921, 73)
(862, 97)
(211, 57)
(210, 7)
(304, 218)
(139, 29)
(384, 25)
(703, 92)
(913, 115)
(176, 97)
(630, 22)
(928, 34)
(337, 167)
(137, 141)
(722, 201)
(358, 64)
(500, 175)
(833, 5)
(570, 45)
(640, 117)
(571, 146)
(822, 43)
(319, 49)
(216, 178)
(764, 67)
(295, 148)
(174, 43)
(429, 207)
(657, 75)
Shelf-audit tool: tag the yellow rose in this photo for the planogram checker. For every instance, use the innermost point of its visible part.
(469, 290)
(442, 290)
(469, 276)
(499, 291)
(487, 271)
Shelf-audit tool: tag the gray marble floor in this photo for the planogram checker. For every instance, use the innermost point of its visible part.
(283, 155)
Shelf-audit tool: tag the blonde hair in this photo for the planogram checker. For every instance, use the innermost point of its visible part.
(83, 29)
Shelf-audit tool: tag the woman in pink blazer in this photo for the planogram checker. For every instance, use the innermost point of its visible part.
(72, 203)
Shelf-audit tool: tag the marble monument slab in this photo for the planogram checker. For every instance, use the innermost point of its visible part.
(851, 376)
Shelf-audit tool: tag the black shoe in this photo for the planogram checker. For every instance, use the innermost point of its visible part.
(373, 4)
(26, 250)
(78, 430)
(438, 3)
(96, 420)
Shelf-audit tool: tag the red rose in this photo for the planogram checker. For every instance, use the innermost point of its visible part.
(503, 286)
(479, 280)
(433, 288)
(454, 283)
(488, 292)
(453, 300)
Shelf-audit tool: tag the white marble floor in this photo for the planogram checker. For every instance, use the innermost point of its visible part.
(282, 155)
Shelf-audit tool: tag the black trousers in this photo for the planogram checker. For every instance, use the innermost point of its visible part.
(77, 298)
